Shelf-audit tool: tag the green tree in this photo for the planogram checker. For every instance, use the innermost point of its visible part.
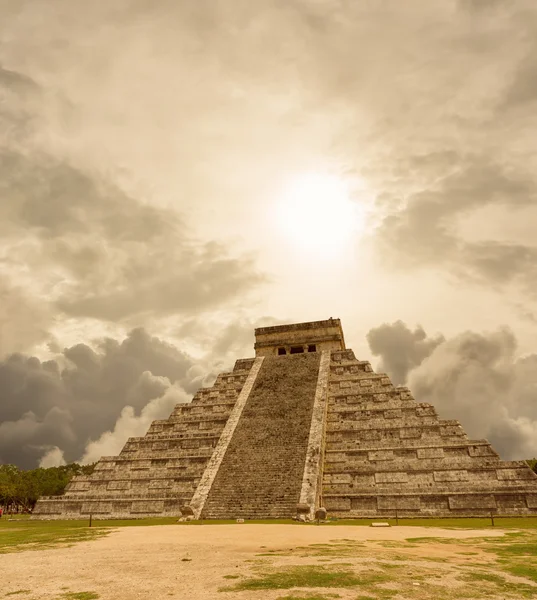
(19, 490)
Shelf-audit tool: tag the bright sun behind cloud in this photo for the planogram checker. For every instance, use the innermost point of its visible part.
(316, 212)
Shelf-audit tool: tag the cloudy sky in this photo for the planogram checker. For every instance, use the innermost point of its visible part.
(176, 173)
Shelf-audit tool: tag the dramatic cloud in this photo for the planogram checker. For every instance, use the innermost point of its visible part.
(129, 424)
(109, 255)
(23, 322)
(88, 249)
(474, 378)
(400, 349)
(423, 233)
(53, 458)
(114, 387)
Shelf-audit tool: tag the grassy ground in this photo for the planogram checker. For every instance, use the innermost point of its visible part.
(462, 523)
(419, 568)
(21, 533)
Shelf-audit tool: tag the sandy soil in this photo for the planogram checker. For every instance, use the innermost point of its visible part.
(149, 562)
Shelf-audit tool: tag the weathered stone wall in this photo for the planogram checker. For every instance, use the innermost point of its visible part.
(385, 453)
(262, 471)
(324, 335)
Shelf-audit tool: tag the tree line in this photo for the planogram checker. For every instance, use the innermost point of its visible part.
(19, 490)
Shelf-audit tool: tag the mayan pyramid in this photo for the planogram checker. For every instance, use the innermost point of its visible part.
(302, 425)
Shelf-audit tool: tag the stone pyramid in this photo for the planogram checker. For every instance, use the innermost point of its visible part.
(303, 425)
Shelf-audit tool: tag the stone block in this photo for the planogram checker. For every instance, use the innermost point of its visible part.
(475, 451)
(506, 502)
(430, 453)
(407, 433)
(425, 410)
(340, 478)
(455, 452)
(399, 503)
(434, 504)
(320, 514)
(448, 476)
(420, 479)
(104, 465)
(451, 430)
(397, 477)
(484, 475)
(147, 506)
(377, 455)
(366, 504)
(141, 464)
(158, 484)
(524, 473)
(337, 504)
(119, 485)
(372, 434)
(531, 500)
(472, 501)
(78, 486)
(96, 508)
(363, 480)
(187, 511)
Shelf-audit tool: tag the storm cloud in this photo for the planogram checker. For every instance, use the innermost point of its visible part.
(400, 349)
(96, 395)
(424, 232)
(116, 256)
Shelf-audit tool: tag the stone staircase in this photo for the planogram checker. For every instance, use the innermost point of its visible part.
(262, 470)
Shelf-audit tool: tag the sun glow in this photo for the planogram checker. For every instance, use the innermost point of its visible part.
(317, 214)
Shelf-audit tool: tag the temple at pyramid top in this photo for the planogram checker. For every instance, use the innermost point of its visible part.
(302, 428)
(297, 338)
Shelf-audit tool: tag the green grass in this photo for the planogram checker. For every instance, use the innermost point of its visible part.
(392, 575)
(23, 533)
(500, 586)
(526, 571)
(80, 596)
(515, 554)
(465, 523)
(16, 540)
(457, 523)
(308, 576)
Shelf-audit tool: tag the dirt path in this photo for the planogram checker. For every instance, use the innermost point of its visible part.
(187, 562)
